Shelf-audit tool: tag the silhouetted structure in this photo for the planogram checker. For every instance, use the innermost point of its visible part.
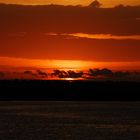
(69, 90)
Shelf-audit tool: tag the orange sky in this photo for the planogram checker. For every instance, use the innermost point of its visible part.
(70, 37)
(16, 63)
(106, 3)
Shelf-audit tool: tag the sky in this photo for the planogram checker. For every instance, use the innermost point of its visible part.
(106, 3)
(70, 37)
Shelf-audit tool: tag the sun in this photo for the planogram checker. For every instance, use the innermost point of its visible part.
(69, 79)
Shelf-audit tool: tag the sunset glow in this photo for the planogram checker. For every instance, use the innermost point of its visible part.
(7, 62)
(71, 64)
(105, 36)
(106, 3)
(52, 39)
(38, 63)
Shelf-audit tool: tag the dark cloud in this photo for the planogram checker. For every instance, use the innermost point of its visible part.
(30, 73)
(36, 74)
(73, 74)
(42, 74)
(98, 74)
(92, 74)
(67, 74)
(102, 72)
(70, 19)
(60, 73)
(121, 74)
(109, 73)
(23, 28)
(95, 4)
(56, 72)
(2, 74)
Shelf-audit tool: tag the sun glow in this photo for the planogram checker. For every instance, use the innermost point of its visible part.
(75, 65)
(69, 79)
(38, 63)
(72, 64)
(106, 3)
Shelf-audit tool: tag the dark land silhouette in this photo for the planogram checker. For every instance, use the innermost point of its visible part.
(69, 90)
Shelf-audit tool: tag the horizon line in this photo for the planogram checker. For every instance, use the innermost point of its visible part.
(73, 5)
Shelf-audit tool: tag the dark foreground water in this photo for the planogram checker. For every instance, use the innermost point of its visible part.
(69, 120)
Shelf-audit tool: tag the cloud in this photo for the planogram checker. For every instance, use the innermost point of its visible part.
(37, 74)
(41, 74)
(67, 74)
(95, 4)
(121, 74)
(92, 74)
(70, 19)
(73, 74)
(2, 74)
(106, 32)
(98, 36)
(100, 72)
(30, 73)
(108, 73)
(60, 73)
